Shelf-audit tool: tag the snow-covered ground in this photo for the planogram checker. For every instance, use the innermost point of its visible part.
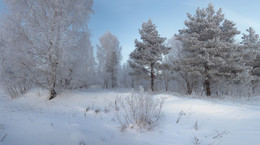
(34, 120)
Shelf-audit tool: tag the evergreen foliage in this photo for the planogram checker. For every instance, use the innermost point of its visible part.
(147, 56)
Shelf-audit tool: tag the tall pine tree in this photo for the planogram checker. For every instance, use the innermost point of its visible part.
(251, 54)
(147, 57)
(209, 51)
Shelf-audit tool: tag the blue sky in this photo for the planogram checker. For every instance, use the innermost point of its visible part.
(123, 18)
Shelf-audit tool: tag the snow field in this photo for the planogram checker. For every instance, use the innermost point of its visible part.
(88, 117)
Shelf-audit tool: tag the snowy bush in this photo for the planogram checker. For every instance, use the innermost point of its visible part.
(140, 109)
(17, 87)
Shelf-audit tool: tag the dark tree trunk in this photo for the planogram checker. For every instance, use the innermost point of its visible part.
(53, 75)
(189, 89)
(152, 77)
(53, 94)
(207, 82)
(166, 83)
(253, 83)
(207, 86)
(112, 79)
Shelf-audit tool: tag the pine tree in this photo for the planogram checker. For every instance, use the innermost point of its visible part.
(209, 51)
(251, 53)
(251, 46)
(250, 40)
(256, 70)
(147, 57)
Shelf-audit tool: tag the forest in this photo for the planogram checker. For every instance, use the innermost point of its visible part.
(201, 86)
(47, 45)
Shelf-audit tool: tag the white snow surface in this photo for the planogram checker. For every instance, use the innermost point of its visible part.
(34, 120)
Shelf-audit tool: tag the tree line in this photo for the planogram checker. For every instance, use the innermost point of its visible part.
(47, 44)
(203, 56)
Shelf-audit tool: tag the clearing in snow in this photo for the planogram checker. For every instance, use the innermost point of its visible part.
(87, 117)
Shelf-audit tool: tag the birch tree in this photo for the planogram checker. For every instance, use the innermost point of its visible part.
(109, 58)
(49, 37)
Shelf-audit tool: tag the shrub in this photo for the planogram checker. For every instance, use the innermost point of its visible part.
(17, 87)
(140, 109)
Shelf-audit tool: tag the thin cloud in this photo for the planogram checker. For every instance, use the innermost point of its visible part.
(242, 21)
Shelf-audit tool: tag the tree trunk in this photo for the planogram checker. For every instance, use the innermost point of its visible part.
(105, 84)
(189, 89)
(188, 85)
(166, 82)
(152, 77)
(53, 75)
(207, 82)
(112, 79)
(53, 94)
(253, 83)
(207, 85)
(166, 87)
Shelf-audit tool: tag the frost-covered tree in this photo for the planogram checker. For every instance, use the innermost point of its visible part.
(251, 48)
(125, 79)
(167, 67)
(109, 58)
(209, 51)
(251, 45)
(112, 68)
(250, 40)
(146, 59)
(166, 74)
(48, 41)
(182, 77)
(256, 73)
(256, 70)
